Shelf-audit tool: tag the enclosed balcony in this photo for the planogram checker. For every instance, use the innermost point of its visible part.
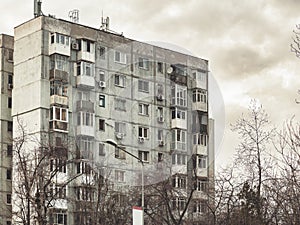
(200, 144)
(85, 75)
(56, 74)
(59, 44)
(199, 100)
(178, 119)
(85, 124)
(59, 100)
(87, 51)
(199, 79)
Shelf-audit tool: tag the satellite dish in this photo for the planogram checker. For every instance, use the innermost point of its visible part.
(170, 70)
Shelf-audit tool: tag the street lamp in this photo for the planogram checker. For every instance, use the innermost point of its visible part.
(115, 144)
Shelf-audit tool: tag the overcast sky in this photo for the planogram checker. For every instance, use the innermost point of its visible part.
(247, 43)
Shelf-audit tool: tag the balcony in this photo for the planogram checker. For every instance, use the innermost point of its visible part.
(58, 126)
(83, 130)
(58, 48)
(86, 56)
(178, 123)
(85, 81)
(59, 100)
(200, 149)
(56, 74)
(201, 172)
(199, 106)
(86, 106)
(179, 169)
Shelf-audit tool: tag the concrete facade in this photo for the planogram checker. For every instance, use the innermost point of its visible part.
(6, 81)
(88, 85)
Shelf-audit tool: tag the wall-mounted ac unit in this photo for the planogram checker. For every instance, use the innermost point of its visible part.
(75, 45)
(102, 84)
(141, 139)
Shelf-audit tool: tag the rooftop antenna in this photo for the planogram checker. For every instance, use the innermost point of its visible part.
(74, 15)
(37, 8)
(104, 23)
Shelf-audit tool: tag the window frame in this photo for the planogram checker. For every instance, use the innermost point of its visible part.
(143, 109)
(143, 132)
(143, 86)
(120, 80)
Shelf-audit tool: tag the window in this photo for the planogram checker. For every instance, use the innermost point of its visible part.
(160, 92)
(160, 68)
(160, 157)
(197, 75)
(179, 182)
(102, 76)
(120, 127)
(59, 62)
(85, 119)
(9, 126)
(10, 79)
(143, 86)
(101, 149)
(57, 87)
(102, 52)
(178, 114)
(200, 207)
(59, 218)
(85, 69)
(120, 57)
(160, 114)
(87, 46)
(8, 174)
(58, 191)
(83, 168)
(58, 114)
(178, 139)
(120, 80)
(9, 150)
(58, 165)
(179, 95)
(10, 55)
(9, 102)
(201, 185)
(119, 153)
(144, 132)
(144, 63)
(200, 96)
(101, 125)
(200, 139)
(8, 199)
(59, 39)
(144, 109)
(202, 161)
(120, 104)
(160, 135)
(84, 194)
(178, 203)
(144, 156)
(179, 159)
(102, 100)
(120, 176)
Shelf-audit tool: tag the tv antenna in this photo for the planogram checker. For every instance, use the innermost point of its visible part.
(74, 15)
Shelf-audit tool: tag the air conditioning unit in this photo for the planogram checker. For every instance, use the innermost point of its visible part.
(141, 139)
(75, 45)
(119, 135)
(160, 119)
(161, 143)
(10, 86)
(102, 84)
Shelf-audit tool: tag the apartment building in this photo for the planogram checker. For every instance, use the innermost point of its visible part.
(75, 88)
(6, 81)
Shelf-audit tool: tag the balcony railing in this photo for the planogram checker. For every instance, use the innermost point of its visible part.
(84, 105)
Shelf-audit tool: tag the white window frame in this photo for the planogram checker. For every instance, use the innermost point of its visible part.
(200, 95)
(202, 161)
(120, 57)
(144, 109)
(178, 114)
(201, 185)
(144, 155)
(85, 119)
(144, 132)
(59, 62)
(179, 95)
(84, 46)
(59, 114)
(58, 87)
(85, 69)
(179, 159)
(120, 80)
(59, 39)
(144, 63)
(102, 101)
(179, 138)
(143, 86)
(200, 139)
(179, 182)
